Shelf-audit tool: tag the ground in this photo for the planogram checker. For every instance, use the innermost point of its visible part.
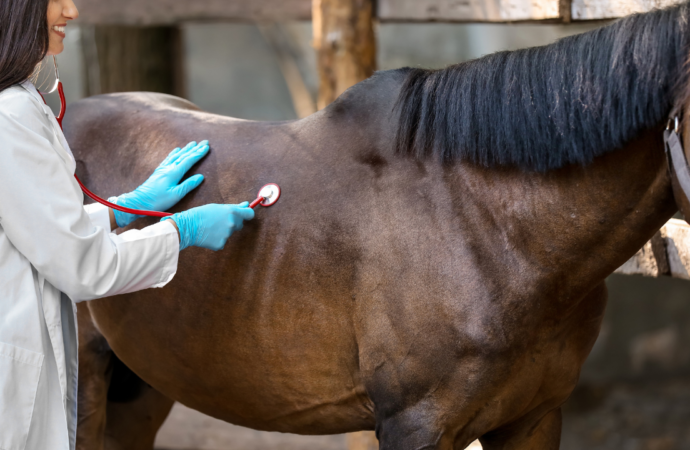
(629, 416)
(622, 416)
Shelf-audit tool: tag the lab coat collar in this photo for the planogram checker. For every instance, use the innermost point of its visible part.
(29, 86)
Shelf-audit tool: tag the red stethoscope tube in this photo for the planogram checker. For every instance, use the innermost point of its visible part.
(268, 194)
(63, 104)
(59, 118)
(138, 212)
(256, 202)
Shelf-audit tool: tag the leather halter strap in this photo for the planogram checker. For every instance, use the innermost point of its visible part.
(678, 167)
(677, 163)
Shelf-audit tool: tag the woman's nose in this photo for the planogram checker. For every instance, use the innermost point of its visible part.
(69, 10)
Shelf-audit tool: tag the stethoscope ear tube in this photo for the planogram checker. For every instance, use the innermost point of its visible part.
(61, 93)
(63, 104)
(59, 118)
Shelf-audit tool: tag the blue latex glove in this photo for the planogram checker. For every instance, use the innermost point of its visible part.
(210, 226)
(162, 190)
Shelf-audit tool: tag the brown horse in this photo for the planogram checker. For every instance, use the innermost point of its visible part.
(434, 299)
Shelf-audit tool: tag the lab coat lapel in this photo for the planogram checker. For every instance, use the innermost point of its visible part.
(50, 296)
(63, 149)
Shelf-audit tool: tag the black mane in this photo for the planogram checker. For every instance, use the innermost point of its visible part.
(546, 107)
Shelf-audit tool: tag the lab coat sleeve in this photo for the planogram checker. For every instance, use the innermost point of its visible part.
(99, 215)
(42, 214)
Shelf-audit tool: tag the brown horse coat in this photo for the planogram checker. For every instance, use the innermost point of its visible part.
(436, 302)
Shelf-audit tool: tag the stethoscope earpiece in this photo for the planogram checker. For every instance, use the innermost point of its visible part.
(61, 92)
(57, 77)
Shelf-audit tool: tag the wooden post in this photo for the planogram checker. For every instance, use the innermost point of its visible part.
(362, 440)
(130, 58)
(565, 10)
(345, 45)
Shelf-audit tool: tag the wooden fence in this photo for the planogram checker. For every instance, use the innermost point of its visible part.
(170, 12)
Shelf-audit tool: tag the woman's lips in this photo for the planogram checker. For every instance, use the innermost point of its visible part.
(59, 30)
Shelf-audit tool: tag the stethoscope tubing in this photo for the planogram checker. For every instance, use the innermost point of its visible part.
(59, 118)
(63, 108)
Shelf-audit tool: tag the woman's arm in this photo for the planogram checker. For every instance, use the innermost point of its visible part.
(176, 228)
(42, 213)
(113, 223)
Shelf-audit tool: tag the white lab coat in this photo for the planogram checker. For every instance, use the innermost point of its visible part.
(51, 244)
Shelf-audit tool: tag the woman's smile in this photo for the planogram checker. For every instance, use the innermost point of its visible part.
(59, 30)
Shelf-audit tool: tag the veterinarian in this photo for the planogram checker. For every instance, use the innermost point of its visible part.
(55, 251)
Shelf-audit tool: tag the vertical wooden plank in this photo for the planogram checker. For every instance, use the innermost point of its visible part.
(565, 10)
(345, 44)
(92, 72)
(139, 59)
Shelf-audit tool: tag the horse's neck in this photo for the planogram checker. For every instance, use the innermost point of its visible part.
(576, 225)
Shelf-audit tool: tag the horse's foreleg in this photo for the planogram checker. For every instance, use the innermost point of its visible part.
(133, 425)
(544, 434)
(135, 412)
(95, 369)
(414, 429)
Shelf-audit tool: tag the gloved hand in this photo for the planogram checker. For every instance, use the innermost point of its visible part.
(210, 226)
(162, 191)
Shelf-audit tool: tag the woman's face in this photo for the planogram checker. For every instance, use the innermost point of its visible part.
(59, 13)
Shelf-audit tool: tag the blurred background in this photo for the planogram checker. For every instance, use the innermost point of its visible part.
(634, 392)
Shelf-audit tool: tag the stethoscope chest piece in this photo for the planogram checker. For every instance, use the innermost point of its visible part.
(268, 196)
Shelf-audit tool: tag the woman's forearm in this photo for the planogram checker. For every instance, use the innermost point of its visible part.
(176, 228)
(113, 222)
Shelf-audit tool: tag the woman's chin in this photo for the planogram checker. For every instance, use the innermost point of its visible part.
(55, 49)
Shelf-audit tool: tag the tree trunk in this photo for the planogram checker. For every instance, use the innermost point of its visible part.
(125, 58)
(345, 44)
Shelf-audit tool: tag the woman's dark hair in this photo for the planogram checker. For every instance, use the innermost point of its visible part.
(24, 39)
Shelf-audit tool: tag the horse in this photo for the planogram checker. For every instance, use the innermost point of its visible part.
(435, 267)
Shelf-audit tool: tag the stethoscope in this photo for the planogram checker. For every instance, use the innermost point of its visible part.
(268, 195)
